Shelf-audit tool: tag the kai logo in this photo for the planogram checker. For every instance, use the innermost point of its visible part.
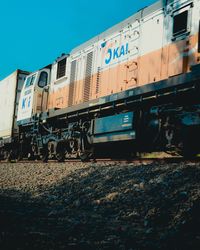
(115, 53)
(26, 102)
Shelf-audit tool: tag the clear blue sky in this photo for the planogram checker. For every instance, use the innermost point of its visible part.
(34, 33)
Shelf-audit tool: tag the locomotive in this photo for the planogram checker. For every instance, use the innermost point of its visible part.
(134, 88)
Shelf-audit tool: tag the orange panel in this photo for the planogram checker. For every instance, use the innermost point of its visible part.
(164, 63)
(104, 83)
(59, 98)
(78, 92)
(113, 81)
(122, 77)
(176, 56)
(150, 67)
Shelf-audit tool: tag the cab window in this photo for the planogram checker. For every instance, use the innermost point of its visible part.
(30, 81)
(43, 79)
(61, 68)
(180, 23)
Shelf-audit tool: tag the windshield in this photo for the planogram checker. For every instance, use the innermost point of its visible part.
(30, 81)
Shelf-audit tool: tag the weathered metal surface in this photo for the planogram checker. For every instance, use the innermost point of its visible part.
(10, 89)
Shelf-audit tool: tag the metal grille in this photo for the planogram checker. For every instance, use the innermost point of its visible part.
(98, 79)
(88, 77)
(61, 68)
(72, 83)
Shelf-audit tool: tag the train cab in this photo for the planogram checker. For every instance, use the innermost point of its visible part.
(34, 95)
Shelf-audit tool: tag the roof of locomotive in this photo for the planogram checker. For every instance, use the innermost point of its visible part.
(138, 15)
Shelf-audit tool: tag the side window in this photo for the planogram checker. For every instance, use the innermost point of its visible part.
(182, 22)
(30, 81)
(180, 25)
(61, 68)
(43, 79)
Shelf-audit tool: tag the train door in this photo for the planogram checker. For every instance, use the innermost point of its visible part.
(179, 32)
(41, 91)
(151, 43)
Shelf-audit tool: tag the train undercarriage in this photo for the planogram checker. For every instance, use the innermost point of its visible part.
(161, 132)
(173, 129)
(122, 132)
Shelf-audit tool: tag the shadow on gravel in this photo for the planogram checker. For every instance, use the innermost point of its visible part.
(110, 207)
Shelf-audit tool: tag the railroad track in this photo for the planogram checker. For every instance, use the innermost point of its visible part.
(142, 160)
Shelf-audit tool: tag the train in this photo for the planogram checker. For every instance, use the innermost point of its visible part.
(132, 89)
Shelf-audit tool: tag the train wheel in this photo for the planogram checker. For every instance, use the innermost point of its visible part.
(60, 152)
(6, 155)
(31, 156)
(32, 153)
(85, 156)
(86, 150)
(72, 150)
(19, 157)
(44, 156)
(60, 157)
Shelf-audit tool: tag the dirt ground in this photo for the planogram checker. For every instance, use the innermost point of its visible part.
(100, 206)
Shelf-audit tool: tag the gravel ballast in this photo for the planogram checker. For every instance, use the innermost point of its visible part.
(101, 205)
